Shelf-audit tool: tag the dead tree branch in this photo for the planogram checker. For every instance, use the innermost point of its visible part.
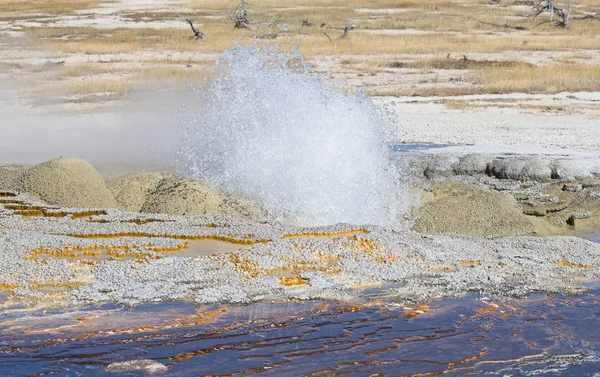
(239, 16)
(197, 33)
(542, 23)
(347, 29)
(543, 6)
(588, 17)
(307, 23)
(507, 26)
(328, 37)
(270, 27)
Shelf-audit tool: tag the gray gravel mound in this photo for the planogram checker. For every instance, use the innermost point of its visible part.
(132, 190)
(471, 164)
(520, 169)
(441, 166)
(7, 175)
(467, 210)
(182, 196)
(65, 182)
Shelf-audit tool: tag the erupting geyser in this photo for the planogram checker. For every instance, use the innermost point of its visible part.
(271, 131)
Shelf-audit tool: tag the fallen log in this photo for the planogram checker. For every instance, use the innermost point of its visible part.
(506, 26)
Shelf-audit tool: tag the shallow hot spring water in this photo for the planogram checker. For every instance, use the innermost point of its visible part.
(543, 334)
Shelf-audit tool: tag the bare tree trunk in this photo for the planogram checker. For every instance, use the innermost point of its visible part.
(567, 14)
(548, 6)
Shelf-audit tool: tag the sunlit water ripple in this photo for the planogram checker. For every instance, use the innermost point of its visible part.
(542, 335)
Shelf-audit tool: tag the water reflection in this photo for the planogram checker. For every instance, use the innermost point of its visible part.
(541, 335)
(412, 147)
(594, 236)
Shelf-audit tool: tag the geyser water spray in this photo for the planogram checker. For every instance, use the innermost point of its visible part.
(272, 132)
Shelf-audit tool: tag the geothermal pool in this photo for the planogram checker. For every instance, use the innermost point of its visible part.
(96, 292)
(543, 334)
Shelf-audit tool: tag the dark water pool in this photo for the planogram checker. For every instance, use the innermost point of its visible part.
(543, 335)
(415, 147)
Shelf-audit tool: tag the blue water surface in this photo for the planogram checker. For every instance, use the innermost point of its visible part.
(542, 335)
(414, 147)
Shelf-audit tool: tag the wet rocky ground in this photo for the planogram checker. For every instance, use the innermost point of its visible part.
(477, 230)
(495, 195)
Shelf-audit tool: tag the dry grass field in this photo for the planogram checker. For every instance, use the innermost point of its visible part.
(397, 47)
(25, 8)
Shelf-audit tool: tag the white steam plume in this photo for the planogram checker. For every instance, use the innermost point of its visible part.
(269, 130)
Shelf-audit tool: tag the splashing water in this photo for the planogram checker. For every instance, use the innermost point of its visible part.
(272, 132)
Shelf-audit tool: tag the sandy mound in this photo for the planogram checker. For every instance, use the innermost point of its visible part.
(181, 196)
(8, 173)
(462, 209)
(66, 182)
(132, 190)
